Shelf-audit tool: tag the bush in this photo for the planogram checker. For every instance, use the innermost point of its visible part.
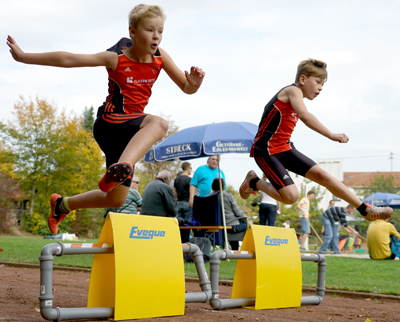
(87, 223)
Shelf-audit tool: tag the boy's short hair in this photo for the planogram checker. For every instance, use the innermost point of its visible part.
(312, 67)
(185, 165)
(215, 184)
(145, 11)
(311, 192)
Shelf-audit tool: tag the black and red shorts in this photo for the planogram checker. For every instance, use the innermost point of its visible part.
(276, 166)
(113, 138)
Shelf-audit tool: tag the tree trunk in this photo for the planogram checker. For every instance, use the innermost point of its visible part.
(32, 199)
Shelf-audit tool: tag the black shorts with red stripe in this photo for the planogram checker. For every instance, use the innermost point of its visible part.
(275, 166)
(113, 138)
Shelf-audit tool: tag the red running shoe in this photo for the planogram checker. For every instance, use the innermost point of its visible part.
(54, 219)
(115, 175)
(374, 213)
(245, 191)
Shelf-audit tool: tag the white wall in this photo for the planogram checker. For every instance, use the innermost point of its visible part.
(333, 167)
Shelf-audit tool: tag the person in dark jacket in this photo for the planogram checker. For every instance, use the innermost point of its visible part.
(158, 197)
(331, 219)
(232, 212)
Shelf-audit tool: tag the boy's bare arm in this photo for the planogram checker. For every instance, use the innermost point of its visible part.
(189, 83)
(62, 59)
(295, 97)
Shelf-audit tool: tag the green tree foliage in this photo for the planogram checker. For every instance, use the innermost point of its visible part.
(381, 183)
(51, 153)
(7, 160)
(88, 118)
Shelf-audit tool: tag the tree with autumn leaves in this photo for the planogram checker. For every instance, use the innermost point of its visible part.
(48, 152)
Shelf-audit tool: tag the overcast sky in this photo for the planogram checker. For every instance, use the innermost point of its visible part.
(249, 50)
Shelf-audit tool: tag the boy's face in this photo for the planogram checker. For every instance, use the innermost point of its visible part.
(311, 86)
(148, 34)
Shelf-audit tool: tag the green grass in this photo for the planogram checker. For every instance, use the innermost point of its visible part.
(349, 274)
(27, 250)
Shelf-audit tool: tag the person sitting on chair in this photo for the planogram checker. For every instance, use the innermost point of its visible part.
(232, 212)
(158, 197)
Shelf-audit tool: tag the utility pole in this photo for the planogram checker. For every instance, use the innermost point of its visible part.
(391, 161)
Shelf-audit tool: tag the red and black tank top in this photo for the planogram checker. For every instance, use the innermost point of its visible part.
(129, 86)
(275, 129)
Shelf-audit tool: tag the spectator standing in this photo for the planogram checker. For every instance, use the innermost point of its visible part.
(158, 197)
(304, 213)
(379, 236)
(331, 204)
(182, 187)
(331, 219)
(203, 177)
(269, 208)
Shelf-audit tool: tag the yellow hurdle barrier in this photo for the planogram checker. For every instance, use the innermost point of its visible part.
(144, 277)
(275, 270)
(268, 272)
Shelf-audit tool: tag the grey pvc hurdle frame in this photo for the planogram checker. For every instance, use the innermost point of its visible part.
(58, 249)
(217, 303)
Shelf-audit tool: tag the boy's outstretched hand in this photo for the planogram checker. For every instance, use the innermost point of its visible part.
(340, 137)
(15, 51)
(196, 76)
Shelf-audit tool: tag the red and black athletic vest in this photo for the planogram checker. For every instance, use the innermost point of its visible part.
(275, 129)
(129, 86)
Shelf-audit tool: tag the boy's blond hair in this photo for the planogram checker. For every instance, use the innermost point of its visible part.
(312, 67)
(145, 11)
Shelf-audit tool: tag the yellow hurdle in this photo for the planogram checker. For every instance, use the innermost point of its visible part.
(144, 277)
(274, 277)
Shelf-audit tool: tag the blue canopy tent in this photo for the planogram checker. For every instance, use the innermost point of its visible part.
(384, 199)
(203, 141)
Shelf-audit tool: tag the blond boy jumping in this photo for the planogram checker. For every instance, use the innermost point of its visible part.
(274, 153)
(122, 130)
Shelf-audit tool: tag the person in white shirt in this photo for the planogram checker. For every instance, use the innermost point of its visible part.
(269, 208)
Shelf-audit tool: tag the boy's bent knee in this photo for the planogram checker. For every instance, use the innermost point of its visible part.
(289, 196)
(163, 125)
(289, 200)
(116, 201)
(157, 123)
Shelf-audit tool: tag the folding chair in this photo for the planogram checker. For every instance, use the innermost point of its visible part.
(207, 210)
